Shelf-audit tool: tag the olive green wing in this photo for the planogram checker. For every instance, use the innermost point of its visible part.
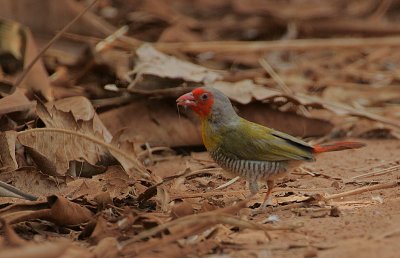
(255, 142)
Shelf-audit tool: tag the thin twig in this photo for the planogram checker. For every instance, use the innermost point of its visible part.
(261, 46)
(56, 37)
(377, 173)
(104, 44)
(362, 190)
(252, 46)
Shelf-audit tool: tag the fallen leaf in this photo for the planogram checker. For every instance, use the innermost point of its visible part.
(66, 139)
(16, 102)
(155, 122)
(7, 151)
(152, 62)
(245, 91)
(114, 182)
(31, 181)
(82, 111)
(57, 209)
(99, 229)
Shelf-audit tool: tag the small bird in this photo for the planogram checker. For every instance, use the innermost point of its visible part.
(247, 149)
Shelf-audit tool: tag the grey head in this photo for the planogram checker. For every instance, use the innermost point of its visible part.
(222, 111)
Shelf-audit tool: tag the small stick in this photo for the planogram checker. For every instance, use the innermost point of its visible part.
(110, 39)
(377, 173)
(252, 46)
(232, 181)
(260, 46)
(361, 190)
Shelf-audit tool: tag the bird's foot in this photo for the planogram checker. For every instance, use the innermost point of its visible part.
(267, 202)
(266, 206)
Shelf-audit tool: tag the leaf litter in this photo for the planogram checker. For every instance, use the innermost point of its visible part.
(109, 168)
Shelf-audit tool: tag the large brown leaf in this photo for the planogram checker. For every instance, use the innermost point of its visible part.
(75, 135)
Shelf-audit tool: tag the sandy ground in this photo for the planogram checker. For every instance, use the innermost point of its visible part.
(367, 224)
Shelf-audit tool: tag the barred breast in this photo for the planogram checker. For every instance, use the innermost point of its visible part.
(250, 169)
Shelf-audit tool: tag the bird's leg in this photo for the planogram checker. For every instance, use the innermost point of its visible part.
(268, 199)
(253, 186)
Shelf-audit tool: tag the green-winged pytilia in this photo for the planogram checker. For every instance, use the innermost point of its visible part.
(247, 149)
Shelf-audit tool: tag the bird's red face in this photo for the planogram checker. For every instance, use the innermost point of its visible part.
(199, 100)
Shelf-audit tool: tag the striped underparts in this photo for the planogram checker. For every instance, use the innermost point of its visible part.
(249, 169)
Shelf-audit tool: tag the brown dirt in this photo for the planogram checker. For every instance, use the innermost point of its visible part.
(365, 227)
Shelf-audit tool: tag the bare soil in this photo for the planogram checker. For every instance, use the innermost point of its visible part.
(367, 224)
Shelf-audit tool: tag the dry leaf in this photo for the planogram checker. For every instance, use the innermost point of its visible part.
(7, 151)
(245, 91)
(16, 102)
(155, 121)
(152, 62)
(57, 209)
(114, 182)
(31, 181)
(69, 138)
(102, 230)
(82, 111)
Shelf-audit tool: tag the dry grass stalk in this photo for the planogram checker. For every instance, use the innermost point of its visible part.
(362, 190)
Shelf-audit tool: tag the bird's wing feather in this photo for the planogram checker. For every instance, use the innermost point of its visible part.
(251, 141)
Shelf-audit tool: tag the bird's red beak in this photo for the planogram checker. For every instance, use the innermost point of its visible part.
(186, 100)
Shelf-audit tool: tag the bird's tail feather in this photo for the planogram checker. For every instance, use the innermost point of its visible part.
(337, 146)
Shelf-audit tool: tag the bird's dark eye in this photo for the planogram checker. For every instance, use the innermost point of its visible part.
(204, 96)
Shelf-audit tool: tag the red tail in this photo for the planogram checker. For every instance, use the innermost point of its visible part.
(337, 146)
